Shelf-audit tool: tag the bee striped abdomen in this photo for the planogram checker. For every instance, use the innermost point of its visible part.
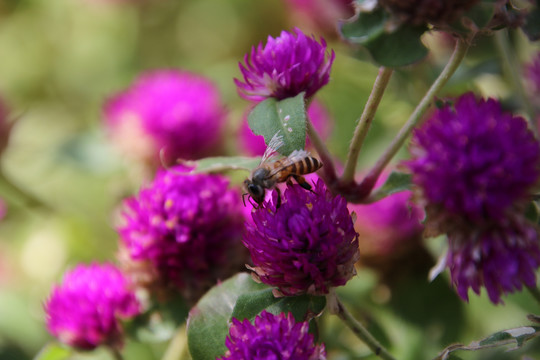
(312, 165)
(302, 166)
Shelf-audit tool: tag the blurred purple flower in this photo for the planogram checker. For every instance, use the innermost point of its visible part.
(285, 67)
(322, 15)
(473, 161)
(307, 245)
(272, 337)
(173, 111)
(475, 167)
(502, 258)
(183, 233)
(85, 310)
(254, 144)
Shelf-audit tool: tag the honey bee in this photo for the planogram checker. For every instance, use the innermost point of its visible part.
(273, 170)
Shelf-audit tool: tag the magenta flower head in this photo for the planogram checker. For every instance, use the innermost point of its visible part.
(285, 67)
(318, 115)
(182, 233)
(85, 310)
(475, 167)
(307, 245)
(174, 112)
(272, 337)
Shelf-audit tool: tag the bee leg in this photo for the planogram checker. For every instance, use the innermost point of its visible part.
(302, 182)
(278, 203)
(250, 200)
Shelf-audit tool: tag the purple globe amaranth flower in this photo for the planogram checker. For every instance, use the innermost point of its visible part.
(285, 67)
(85, 310)
(272, 337)
(172, 112)
(502, 258)
(318, 115)
(475, 167)
(182, 233)
(307, 245)
(473, 162)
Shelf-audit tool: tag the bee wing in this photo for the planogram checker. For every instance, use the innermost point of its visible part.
(273, 145)
(298, 155)
(295, 156)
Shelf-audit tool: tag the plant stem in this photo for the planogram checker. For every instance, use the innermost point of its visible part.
(457, 56)
(359, 330)
(364, 123)
(534, 292)
(511, 66)
(329, 171)
(177, 348)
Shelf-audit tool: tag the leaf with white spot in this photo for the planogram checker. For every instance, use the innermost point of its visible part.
(288, 117)
(517, 336)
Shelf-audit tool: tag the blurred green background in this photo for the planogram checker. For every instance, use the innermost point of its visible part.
(59, 61)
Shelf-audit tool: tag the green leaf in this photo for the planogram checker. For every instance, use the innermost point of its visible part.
(251, 304)
(518, 335)
(400, 47)
(208, 322)
(364, 27)
(224, 163)
(302, 307)
(288, 117)
(396, 182)
(53, 351)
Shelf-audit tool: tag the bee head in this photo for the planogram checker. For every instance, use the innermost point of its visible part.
(256, 191)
